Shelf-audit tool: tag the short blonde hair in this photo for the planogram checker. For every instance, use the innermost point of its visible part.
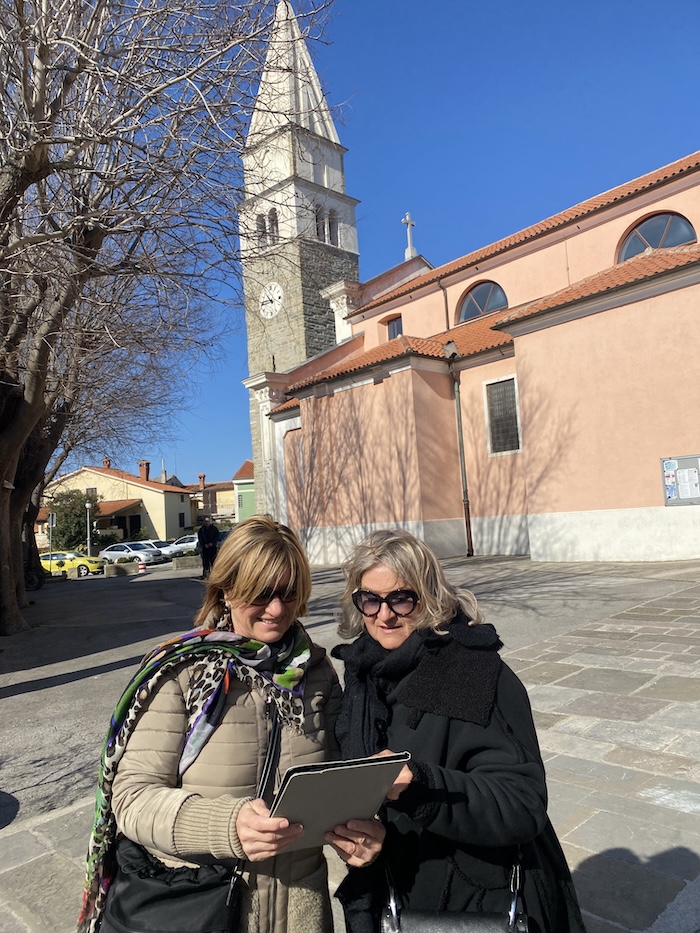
(415, 564)
(258, 554)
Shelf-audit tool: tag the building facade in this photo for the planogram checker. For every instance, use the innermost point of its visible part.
(297, 229)
(130, 504)
(531, 397)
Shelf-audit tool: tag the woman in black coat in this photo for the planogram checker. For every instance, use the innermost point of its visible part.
(425, 677)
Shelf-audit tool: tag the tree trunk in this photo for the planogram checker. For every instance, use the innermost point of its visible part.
(11, 561)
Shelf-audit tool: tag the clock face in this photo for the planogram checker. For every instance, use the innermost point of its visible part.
(271, 298)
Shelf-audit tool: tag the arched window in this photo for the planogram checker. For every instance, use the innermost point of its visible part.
(661, 230)
(482, 299)
(333, 227)
(273, 225)
(262, 230)
(320, 224)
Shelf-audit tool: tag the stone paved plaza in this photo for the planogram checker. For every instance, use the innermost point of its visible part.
(609, 654)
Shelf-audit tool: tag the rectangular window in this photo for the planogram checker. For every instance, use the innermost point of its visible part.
(91, 491)
(181, 520)
(502, 413)
(395, 328)
(182, 498)
(240, 501)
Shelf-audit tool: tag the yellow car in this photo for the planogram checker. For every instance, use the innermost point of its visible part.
(65, 560)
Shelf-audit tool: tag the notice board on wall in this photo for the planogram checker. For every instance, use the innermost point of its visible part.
(681, 479)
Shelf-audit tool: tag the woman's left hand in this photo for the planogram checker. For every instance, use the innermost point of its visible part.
(357, 842)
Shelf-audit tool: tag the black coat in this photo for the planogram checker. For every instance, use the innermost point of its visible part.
(478, 791)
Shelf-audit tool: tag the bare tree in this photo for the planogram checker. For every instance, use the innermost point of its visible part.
(121, 128)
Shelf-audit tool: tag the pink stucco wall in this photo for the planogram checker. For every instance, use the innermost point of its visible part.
(368, 464)
(496, 482)
(604, 398)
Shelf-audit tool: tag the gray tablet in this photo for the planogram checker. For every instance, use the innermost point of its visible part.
(321, 796)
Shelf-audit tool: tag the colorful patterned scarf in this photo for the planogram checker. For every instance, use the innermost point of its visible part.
(218, 656)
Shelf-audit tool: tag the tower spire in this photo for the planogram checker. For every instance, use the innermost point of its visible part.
(290, 89)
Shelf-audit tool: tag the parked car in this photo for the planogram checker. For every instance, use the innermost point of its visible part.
(222, 537)
(156, 545)
(132, 551)
(66, 560)
(181, 546)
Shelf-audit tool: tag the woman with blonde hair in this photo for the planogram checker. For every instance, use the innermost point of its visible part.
(467, 826)
(195, 751)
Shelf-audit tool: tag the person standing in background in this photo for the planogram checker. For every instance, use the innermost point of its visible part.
(208, 538)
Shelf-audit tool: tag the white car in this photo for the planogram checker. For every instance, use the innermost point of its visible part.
(181, 546)
(156, 545)
(132, 551)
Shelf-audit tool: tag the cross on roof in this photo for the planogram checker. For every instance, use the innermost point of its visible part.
(410, 250)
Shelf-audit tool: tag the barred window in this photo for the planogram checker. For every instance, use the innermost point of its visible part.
(502, 416)
(394, 327)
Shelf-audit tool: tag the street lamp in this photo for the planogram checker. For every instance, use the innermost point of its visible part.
(87, 512)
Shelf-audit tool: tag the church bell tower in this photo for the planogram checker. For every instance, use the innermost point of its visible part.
(297, 228)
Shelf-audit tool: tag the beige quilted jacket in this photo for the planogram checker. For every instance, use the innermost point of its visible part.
(194, 820)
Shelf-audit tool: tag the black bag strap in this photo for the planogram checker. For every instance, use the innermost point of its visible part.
(268, 769)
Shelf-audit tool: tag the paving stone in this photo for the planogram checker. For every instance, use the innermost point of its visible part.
(684, 689)
(545, 721)
(10, 923)
(665, 849)
(596, 925)
(630, 733)
(678, 602)
(628, 805)
(687, 745)
(625, 892)
(567, 818)
(654, 762)
(69, 832)
(599, 635)
(576, 725)
(547, 671)
(19, 848)
(608, 706)
(682, 915)
(570, 744)
(683, 716)
(596, 775)
(549, 698)
(683, 796)
(609, 681)
(23, 890)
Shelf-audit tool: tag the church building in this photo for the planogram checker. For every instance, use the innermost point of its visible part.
(536, 396)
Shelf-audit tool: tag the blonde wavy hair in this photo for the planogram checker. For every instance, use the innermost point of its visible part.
(415, 564)
(258, 554)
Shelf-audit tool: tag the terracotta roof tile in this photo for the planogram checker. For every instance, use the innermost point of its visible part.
(688, 164)
(113, 506)
(638, 269)
(136, 480)
(245, 471)
(476, 335)
(289, 405)
(393, 349)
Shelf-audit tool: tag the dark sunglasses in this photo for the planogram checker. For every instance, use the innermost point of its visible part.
(400, 602)
(265, 598)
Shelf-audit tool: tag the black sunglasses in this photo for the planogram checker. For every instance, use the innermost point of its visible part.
(400, 602)
(265, 598)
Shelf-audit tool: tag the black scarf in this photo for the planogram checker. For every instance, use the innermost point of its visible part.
(373, 676)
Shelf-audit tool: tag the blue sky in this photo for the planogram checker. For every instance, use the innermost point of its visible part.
(481, 121)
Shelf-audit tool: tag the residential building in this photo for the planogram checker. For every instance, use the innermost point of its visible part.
(130, 503)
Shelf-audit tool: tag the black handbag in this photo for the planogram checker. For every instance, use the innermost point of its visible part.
(396, 919)
(148, 897)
